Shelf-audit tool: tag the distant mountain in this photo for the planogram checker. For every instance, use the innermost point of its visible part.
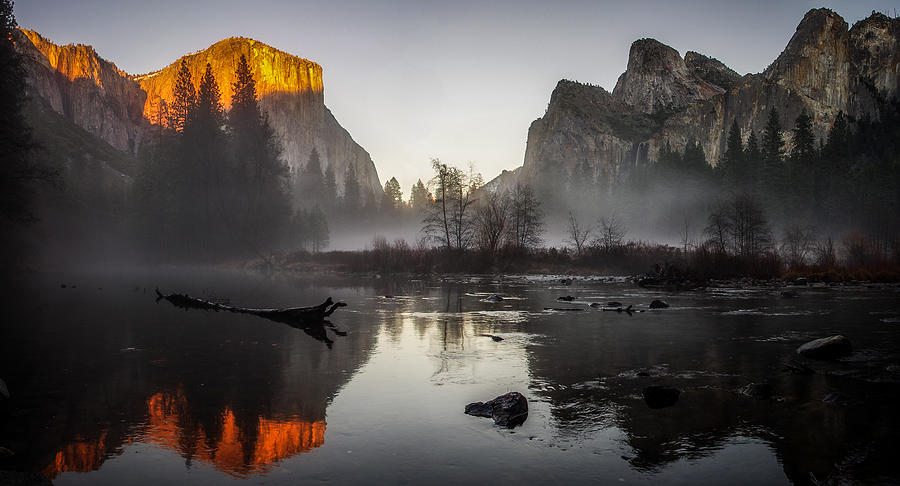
(664, 98)
(119, 108)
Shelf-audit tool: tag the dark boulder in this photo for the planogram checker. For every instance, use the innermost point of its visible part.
(567, 298)
(658, 396)
(494, 298)
(790, 294)
(507, 410)
(828, 348)
(658, 304)
(614, 304)
(800, 281)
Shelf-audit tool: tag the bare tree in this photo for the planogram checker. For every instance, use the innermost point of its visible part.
(526, 218)
(450, 221)
(750, 233)
(825, 254)
(612, 232)
(577, 234)
(718, 229)
(739, 225)
(492, 217)
(797, 244)
(686, 235)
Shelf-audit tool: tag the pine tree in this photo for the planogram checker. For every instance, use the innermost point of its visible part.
(244, 105)
(419, 197)
(801, 177)
(772, 174)
(752, 173)
(258, 173)
(184, 99)
(837, 146)
(329, 188)
(803, 140)
(694, 160)
(351, 199)
(393, 196)
(772, 141)
(209, 115)
(312, 181)
(732, 165)
(16, 170)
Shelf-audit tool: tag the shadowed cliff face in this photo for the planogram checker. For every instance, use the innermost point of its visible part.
(118, 108)
(658, 79)
(825, 68)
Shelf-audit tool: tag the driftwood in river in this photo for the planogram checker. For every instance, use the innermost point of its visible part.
(309, 319)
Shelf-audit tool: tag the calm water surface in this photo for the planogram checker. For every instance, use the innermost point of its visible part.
(110, 387)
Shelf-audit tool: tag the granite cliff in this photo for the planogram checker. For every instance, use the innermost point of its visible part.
(664, 98)
(118, 108)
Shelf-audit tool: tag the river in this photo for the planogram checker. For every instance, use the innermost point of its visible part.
(109, 386)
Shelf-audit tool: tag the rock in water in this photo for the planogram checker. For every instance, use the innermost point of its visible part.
(494, 298)
(658, 396)
(567, 298)
(507, 410)
(832, 347)
(658, 304)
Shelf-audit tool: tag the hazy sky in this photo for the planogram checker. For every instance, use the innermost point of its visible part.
(460, 81)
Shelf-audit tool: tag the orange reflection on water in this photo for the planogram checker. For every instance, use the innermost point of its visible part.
(235, 452)
(80, 456)
(170, 425)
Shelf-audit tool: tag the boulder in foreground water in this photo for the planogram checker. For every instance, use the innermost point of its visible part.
(827, 348)
(658, 396)
(507, 410)
(658, 304)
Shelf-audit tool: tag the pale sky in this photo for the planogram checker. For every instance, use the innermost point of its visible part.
(414, 80)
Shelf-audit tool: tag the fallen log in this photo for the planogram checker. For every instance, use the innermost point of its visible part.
(312, 320)
(316, 313)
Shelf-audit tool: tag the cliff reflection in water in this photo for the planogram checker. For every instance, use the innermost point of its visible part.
(238, 393)
(235, 450)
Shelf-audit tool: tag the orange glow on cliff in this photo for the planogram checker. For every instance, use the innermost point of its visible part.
(236, 452)
(274, 71)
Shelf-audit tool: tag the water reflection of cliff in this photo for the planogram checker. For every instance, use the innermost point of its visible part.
(240, 394)
(234, 451)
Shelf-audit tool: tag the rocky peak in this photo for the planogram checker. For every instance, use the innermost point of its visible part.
(875, 47)
(657, 79)
(711, 70)
(275, 72)
(815, 62)
(74, 61)
(115, 106)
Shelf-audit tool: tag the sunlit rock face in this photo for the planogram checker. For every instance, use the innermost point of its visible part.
(117, 107)
(291, 92)
(662, 98)
(88, 90)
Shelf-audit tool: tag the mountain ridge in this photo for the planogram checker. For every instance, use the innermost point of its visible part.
(825, 68)
(119, 108)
